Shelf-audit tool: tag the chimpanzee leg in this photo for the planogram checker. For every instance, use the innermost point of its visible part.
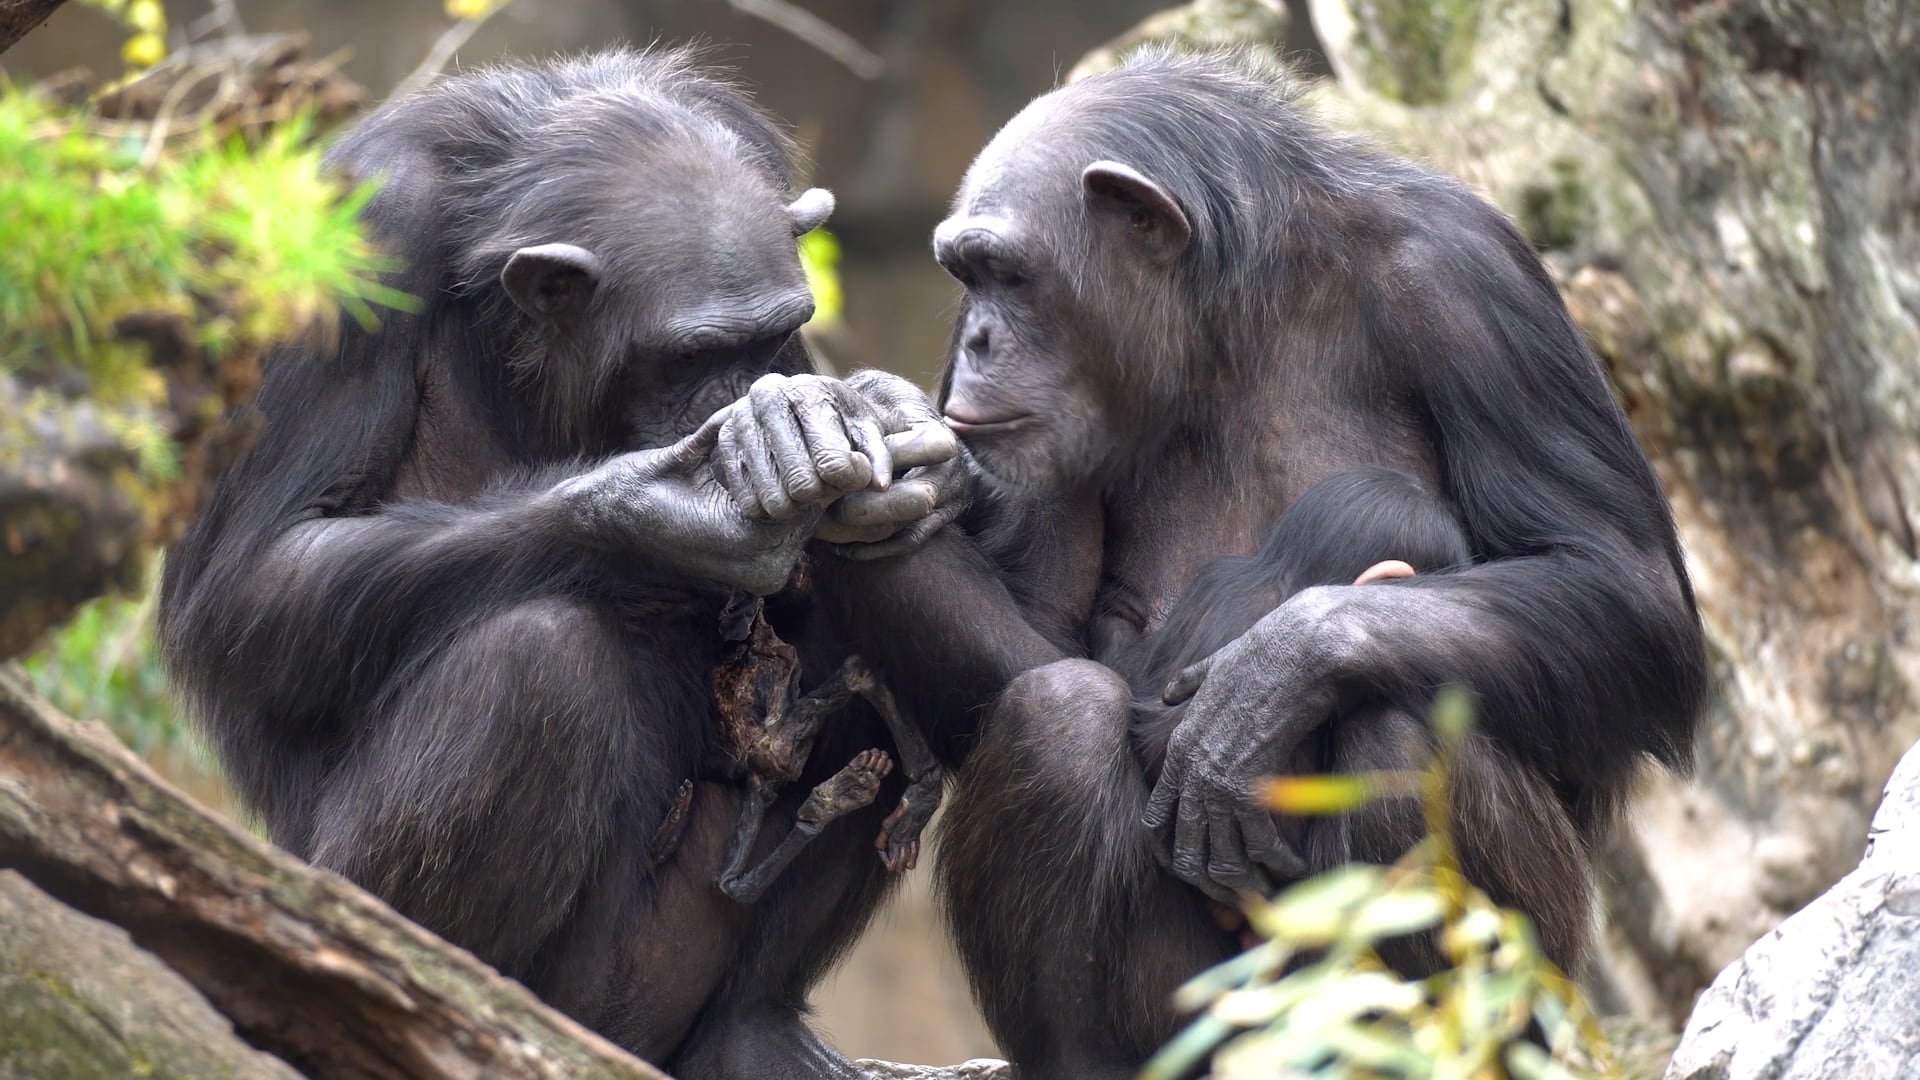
(853, 787)
(1072, 936)
(754, 1026)
(1515, 838)
(899, 840)
(533, 742)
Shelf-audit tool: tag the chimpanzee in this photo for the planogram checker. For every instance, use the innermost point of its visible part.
(1185, 305)
(452, 621)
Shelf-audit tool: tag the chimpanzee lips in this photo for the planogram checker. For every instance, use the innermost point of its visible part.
(966, 418)
(989, 427)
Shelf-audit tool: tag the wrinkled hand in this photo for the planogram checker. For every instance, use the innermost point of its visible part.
(934, 488)
(665, 505)
(1252, 703)
(796, 443)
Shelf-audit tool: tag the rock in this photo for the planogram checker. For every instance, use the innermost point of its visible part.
(977, 1069)
(1830, 992)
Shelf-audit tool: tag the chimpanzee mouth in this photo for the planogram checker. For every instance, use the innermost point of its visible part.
(983, 426)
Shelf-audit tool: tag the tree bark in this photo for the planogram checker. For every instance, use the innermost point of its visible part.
(302, 964)
(78, 998)
(20, 17)
(1725, 193)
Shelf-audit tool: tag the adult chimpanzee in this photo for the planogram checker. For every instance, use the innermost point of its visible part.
(1184, 306)
(452, 621)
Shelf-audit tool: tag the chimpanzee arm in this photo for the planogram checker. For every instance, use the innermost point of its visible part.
(1577, 631)
(939, 626)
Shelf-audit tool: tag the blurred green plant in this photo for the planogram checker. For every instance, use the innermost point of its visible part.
(146, 23)
(104, 665)
(820, 258)
(247, 243)
(243, 244)
(1341, 1012)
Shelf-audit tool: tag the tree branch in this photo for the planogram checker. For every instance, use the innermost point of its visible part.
(815, 31)
(20, 17)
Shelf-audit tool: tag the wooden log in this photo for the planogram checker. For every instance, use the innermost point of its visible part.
(302, 963)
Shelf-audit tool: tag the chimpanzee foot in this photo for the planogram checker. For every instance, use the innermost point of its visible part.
(666, 838)
(899, 839)
(853, 787)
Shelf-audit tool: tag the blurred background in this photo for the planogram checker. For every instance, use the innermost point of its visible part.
(1728, 195)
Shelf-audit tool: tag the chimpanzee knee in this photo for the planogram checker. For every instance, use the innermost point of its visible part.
(1047, 878)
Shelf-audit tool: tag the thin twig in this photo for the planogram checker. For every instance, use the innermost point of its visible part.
(816, 32)
(224, 17)
(443, 50)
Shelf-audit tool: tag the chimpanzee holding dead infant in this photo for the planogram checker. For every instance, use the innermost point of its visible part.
(1185, 307)
(453, 622)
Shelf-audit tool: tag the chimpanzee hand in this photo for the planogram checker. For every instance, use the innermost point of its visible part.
(798, 442)
(1253, 702)
(935, 484)
(666, 505)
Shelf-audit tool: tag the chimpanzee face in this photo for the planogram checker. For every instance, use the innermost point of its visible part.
(665, 299)
(1070, 308)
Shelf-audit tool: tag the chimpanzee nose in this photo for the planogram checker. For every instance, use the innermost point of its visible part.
(976, 343)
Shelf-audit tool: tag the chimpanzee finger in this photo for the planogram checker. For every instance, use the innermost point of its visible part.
(729, 467)
(923, 444)
(907, 501)
(1265, 847)
(1227, 863)
(698, 447)
(890, 541)
(868, 440)
(1160, 803)
(852, 541)
(830, 449)
(793, 459)
(864, 424)
(1190, 855)
(757, 461)
(1186, 683)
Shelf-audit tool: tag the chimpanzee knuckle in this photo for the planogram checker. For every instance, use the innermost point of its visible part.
(803, 485)
(834, 467)
(770, 384)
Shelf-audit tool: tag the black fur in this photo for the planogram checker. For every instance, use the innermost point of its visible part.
(422, 676)
(1148, 374)
(1330, 536)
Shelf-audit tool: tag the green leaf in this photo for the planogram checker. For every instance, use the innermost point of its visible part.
(1402, 911)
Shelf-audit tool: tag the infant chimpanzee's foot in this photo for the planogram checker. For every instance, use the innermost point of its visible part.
(899, 839)
(853, 787)
(666, 838)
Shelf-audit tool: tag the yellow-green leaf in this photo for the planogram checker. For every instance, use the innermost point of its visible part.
(1315, 795)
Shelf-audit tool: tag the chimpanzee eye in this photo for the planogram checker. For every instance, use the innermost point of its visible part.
(959, 270)
(1005, 275)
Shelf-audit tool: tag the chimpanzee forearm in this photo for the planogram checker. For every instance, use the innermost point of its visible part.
(1581, 663)
(938, 625)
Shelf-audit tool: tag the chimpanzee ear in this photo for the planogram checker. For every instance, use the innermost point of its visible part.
(551, 282)
(810, 210)
(1122, 195)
